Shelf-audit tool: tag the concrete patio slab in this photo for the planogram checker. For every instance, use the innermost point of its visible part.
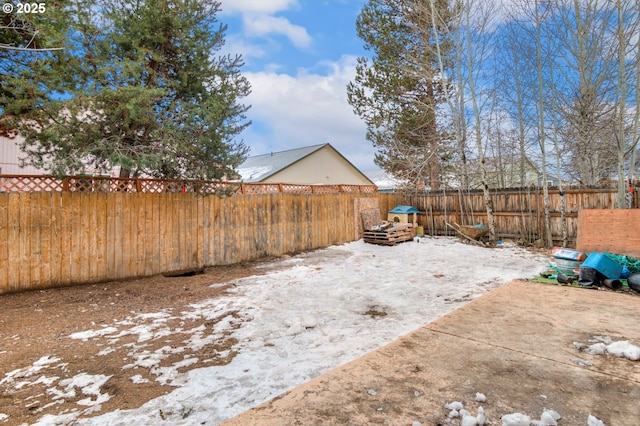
(515, 345)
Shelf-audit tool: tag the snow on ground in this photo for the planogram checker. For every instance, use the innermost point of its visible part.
(307, 315)
(599, 345)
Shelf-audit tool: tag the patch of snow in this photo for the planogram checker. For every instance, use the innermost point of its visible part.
(455, 405)
(624, 349)
(606, 345)
(138, 379)
(466, 417)
(604, 339)
(481, 418)
(550, 417)
(13, 378)
(88, 384)
(45, 380)
(305, 316)
(594, 421)
(516, 419)
(596, 349)
(582, 362)
(89, 334)
(469, 420)
(60, 419)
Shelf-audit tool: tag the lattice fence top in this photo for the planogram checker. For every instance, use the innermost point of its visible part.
(37, 183)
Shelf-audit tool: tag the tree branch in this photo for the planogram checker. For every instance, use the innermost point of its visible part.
(29, 49)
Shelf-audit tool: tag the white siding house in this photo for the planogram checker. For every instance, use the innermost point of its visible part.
(10, 156)
(311, 165)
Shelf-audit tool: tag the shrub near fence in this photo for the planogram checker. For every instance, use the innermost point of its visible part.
(50, 239)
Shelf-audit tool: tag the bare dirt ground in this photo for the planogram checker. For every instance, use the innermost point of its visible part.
(40, 322)
(517, 343)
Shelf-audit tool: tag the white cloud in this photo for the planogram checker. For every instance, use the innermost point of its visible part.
(259, 22)
(238, 44)
(257, 6)
(259, 26)
(290, 111)
(307, 109)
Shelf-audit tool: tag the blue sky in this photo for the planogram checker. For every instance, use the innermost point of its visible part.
(299, 56)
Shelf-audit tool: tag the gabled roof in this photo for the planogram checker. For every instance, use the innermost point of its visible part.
(261, 167)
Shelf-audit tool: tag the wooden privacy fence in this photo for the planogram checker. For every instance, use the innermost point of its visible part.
(35, 183)
(56, 238)
(50, 239)
(519, 214)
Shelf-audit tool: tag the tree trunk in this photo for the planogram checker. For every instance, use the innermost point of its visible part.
(548, 239)
(124, 173)
(471, 64)
(434, 159)
(622, 100)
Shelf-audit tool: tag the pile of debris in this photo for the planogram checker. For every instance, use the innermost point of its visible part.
(401, 225)
(389, 233)
(596, 269)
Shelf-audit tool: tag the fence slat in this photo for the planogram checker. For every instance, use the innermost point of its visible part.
(120, 254)
(146, 228)
(140, 217)
(4, 240)
(39, 229)
(66, 231)
(13, 243)
(79, 248)
(100, 232)
(110, 236)
(24, 241)
(91, 242)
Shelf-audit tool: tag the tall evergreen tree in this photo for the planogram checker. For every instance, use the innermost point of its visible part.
(139, 86)
(396, 92)
(22, 35)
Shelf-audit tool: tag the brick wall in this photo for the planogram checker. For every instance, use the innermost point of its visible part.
(615, 231)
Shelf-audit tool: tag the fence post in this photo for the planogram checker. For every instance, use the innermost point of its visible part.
(65, 183)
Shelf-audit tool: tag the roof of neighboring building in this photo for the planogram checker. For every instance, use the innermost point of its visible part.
(383, 180)
(255, 169)
(260, 167)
